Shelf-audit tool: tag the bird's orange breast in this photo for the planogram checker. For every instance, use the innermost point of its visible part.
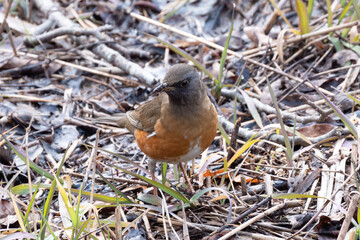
(178, 139)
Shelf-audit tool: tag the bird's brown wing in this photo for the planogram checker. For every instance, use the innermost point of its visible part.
(146, 115)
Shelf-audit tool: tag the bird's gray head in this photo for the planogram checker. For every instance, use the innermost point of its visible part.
(182, 84)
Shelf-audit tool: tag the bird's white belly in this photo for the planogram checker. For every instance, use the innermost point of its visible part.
(193, 152)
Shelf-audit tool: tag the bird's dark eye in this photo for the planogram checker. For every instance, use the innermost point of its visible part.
(184, 83)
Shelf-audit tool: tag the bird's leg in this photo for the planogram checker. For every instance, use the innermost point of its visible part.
(152, 167)
(186, 178)
(192, 167)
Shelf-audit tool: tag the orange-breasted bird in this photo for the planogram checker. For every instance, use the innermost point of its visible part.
(178, 124)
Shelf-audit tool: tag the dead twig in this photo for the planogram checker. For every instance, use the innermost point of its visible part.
(289, 204)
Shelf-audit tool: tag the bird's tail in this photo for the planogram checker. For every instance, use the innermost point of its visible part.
(118, 119)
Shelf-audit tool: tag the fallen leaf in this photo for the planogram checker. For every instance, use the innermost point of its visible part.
(316, 129)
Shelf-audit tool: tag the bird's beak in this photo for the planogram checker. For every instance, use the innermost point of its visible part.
(162, 88)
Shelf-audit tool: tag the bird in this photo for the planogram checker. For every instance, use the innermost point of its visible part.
(178, 124)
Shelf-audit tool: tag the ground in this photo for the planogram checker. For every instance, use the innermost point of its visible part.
(283, 77)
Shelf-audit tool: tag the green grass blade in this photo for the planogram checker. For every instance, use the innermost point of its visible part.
(234, 109)
(121, 157)
(282, 125)
(358, 214)
(113, 187)
(310, 8)
(357, 101)
(67, 201)
(299, 195)
(330, 17)
(241, 150)
(356, 7)
(170, 14)
(253, 111)
(151, 199)
(185, 55)
(33, 166)
(345, 32)
(223, 133)
(226, 166)
(24, 189)
(82, 228)
(344, 12)
(281, 14)
(165, 188)
(46, 208)
(294, 134)
(18, 213)
(293, 195)
(224, 53)
(48, 227)
(338, 112)
(26, 217)
(303, 17)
